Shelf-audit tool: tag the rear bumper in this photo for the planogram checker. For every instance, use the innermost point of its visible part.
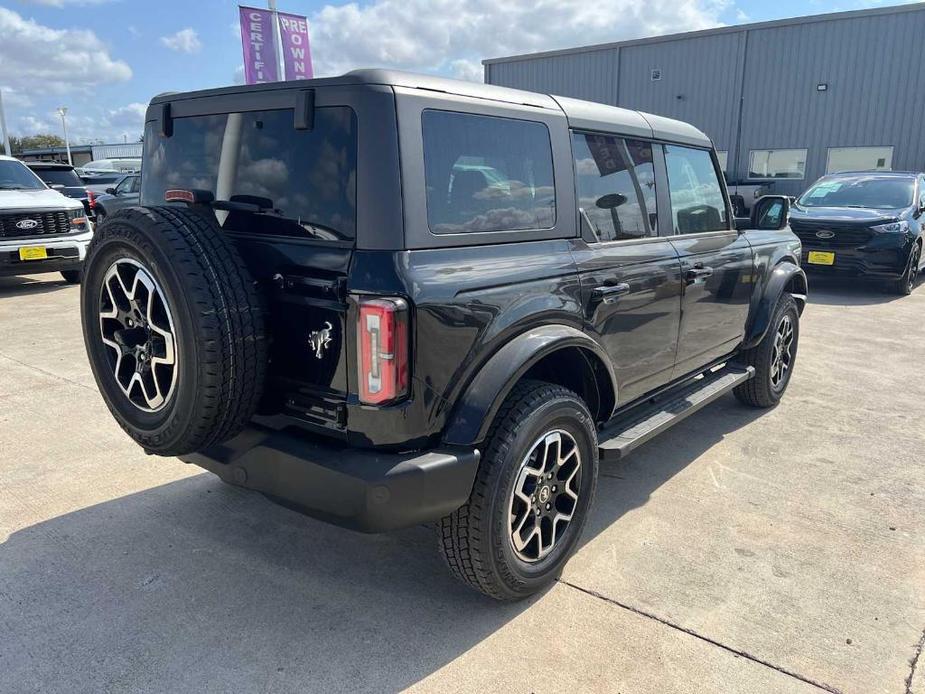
(64, 253)
(364, 490)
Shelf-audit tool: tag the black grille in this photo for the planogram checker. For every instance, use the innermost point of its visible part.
(843, 235)
(47, 224)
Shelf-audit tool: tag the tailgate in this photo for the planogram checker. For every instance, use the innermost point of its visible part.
(307, 321)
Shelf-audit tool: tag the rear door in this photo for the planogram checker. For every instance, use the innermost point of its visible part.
(295, 227)
(630, 277)
(716, 261)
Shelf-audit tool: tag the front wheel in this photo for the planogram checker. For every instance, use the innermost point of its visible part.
(773, 358)
(905, 284)
(72, 276)
(531, 496)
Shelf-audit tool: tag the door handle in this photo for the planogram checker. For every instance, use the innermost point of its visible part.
(609, 293)
(699, 272)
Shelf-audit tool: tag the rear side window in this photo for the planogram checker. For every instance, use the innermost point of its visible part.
(303, 181)
(487, 174)
(697, 202)
(614, 191)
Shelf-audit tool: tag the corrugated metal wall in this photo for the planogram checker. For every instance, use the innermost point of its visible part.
(872, 65)
(133, 149)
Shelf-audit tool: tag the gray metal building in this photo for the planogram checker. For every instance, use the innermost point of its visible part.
(785, 100)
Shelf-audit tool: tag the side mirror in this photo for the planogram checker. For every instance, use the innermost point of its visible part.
(770, 213)
(111, 191)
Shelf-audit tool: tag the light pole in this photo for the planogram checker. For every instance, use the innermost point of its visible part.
(62, 111)
(6, 134)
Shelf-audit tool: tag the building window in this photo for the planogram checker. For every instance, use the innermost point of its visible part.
(859, 159)
(723, 156)
(776, 163)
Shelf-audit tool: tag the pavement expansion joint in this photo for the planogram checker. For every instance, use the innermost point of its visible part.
(748, 656)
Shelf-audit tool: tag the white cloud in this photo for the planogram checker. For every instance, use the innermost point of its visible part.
(40, 59)
(87, 125)
(15, 97)
(128, 116)
(64, 3)
(455, 35)
(185, 41)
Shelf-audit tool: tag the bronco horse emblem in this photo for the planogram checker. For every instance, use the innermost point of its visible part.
(319, 340)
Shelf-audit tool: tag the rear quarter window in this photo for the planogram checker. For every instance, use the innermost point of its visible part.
(485, 173)
(304, 181)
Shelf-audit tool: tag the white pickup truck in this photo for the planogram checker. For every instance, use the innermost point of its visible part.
(41, 230)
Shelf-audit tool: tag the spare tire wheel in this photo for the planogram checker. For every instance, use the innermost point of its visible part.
(173, 327)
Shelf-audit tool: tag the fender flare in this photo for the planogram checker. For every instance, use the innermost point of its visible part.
(781, 276)
(476, 408)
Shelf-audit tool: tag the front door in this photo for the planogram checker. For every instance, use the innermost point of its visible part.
(630, 278)
(717, 263)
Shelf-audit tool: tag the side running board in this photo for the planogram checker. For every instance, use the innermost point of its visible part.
(624, 434)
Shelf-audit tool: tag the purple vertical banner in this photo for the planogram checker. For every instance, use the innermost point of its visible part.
(260, 63)
(297, 54)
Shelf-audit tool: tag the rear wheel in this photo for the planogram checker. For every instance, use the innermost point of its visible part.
(773, 358)
(173, 328)
(72, 276)
(905, 284)
(531, 496)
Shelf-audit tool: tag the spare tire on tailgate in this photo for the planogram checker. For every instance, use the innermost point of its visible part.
(174, 328)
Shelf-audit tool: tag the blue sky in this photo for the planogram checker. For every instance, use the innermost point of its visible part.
(105, 59)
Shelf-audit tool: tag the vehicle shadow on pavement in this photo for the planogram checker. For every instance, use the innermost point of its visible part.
(22, 285)
(199, 586)
(627, 484)
(195, 585)
(832, 291)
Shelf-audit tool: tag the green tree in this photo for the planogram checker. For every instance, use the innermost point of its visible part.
(42, 141)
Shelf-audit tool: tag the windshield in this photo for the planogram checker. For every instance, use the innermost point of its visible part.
(876, 192)
(15, 175)
(59, 177)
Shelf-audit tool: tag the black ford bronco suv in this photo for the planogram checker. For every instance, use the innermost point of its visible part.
(386, 299)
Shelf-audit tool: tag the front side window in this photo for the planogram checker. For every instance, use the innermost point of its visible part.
(889, 192)
(485, 173)
(697, 202)
(776, 163)
(859, 159)
(609, 196)
(302, 181)
(14, 175)
(125, 186)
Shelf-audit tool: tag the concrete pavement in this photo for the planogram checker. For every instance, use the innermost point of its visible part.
(743, 551)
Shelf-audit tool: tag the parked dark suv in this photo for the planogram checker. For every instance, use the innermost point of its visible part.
(864, 224)
(386, 299)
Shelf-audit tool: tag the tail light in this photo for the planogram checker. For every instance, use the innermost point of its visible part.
(382, 350)
(91, 199)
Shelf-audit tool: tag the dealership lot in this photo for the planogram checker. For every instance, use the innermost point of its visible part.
(742, 551)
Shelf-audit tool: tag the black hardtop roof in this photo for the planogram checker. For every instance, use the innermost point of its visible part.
(581, 114)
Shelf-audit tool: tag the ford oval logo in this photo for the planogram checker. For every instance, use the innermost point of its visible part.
(825, 234)
(26, 224)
